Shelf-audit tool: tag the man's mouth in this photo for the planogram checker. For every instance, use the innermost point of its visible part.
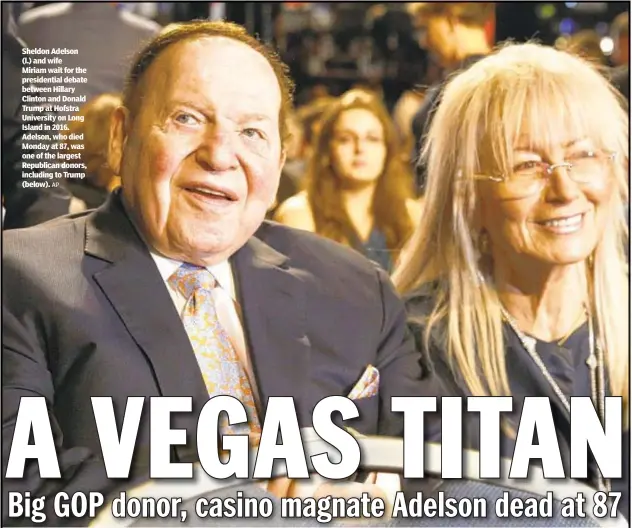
(211, 193)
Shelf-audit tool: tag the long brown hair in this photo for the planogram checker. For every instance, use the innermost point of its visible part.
(394, 186)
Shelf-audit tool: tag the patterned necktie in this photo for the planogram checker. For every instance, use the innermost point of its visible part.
(221, 369)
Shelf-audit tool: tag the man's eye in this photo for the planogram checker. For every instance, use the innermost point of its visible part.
(252, 133)
(186, 119)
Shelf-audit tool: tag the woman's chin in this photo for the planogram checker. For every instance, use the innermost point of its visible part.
(360, 180)
(566, 257)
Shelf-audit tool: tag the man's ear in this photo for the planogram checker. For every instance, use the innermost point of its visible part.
(283, 158)
(119, 129)
(273, 201)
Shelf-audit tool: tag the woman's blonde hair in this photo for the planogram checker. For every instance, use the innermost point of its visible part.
(548, 96)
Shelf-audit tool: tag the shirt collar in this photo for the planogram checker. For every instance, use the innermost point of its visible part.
(166, 267)
(221, 271)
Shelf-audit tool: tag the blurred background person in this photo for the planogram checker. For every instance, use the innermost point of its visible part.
(332, 46)
(452, 32)
(620, 34)
(516, 277)
(106, 38)
(587, 44)
(310, 116)
(404, 112)
(294, 168)
(359, 191)
(303, 125)
(455, 36)
(21, 206)
(92, 133)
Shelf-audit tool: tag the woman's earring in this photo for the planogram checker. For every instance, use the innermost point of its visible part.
(484, 252)
(483, 243)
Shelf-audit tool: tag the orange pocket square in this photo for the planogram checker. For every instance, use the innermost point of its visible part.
(367, 385)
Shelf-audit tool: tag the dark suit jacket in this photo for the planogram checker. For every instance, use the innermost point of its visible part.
(86, 313)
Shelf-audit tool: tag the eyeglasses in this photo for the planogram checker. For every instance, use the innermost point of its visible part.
(530, 177)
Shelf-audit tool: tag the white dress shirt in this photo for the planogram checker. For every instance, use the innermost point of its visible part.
(226, 304)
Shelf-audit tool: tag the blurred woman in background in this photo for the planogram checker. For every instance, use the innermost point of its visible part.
(516, 277)
(359, 190)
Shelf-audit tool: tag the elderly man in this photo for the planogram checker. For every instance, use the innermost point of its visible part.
(178, 272)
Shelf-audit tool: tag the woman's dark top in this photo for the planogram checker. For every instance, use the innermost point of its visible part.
(375, 248)
(566, 364)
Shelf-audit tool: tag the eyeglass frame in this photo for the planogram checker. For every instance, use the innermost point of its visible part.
(550, 167)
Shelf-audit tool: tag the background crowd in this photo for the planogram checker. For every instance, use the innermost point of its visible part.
(368, 77)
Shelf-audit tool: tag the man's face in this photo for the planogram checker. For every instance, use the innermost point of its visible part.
(436, 37)
(201, 159)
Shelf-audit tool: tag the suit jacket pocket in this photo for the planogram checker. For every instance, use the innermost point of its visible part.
(368, 408)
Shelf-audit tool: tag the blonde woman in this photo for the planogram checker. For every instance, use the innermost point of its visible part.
(516, 277)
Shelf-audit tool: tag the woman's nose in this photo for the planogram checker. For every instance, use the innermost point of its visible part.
(359, 144)
(561, 186)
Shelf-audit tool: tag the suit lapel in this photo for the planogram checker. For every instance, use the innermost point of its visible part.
(273, 300)
(138, 294)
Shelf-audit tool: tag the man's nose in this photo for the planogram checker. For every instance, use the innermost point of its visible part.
(217, 151)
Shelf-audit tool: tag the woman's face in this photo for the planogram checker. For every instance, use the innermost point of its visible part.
(358, 148)
(562, 221)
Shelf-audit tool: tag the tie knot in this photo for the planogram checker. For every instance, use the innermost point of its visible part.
(189, 278)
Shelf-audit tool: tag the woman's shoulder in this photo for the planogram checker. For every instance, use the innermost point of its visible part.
(296, 212)
(430, 341)
(420, 301)
(421, 305)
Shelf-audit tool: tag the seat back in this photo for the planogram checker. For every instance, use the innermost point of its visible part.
(380, 454)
